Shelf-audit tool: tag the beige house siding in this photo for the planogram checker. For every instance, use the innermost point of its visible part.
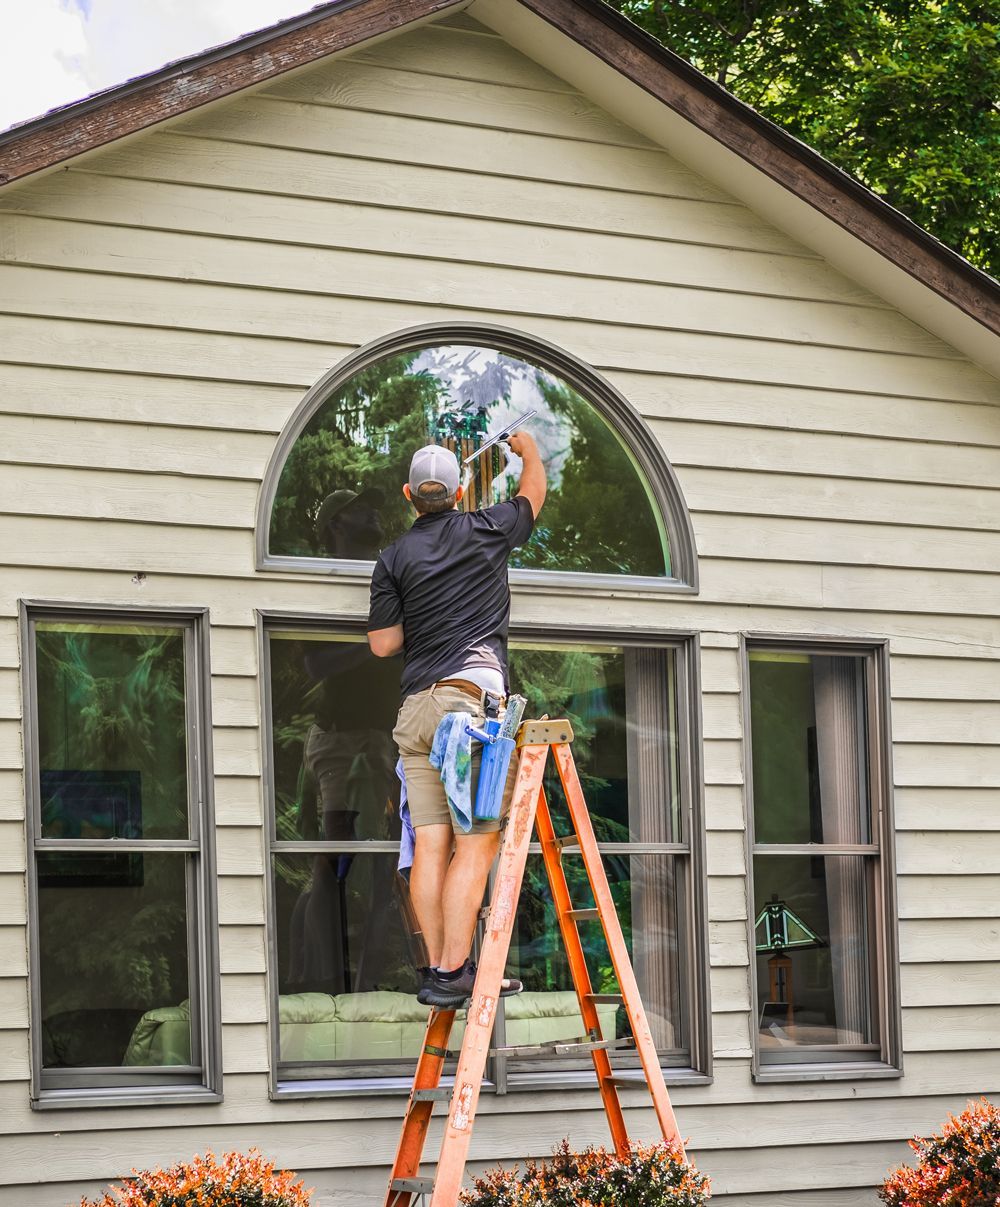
(164, 305)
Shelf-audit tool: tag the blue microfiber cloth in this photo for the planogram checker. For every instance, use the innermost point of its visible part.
(451, 754)
(407, 838)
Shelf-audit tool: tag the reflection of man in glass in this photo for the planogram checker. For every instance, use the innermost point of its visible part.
(440, 595)
(349, 526)
(348, 764)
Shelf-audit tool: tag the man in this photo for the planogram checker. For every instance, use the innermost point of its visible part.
(440, 595)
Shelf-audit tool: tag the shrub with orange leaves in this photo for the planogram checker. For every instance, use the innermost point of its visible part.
(653, 1175)
(234, 1180)
(959, 1168)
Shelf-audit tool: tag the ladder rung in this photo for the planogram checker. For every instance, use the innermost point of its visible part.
(567, 840)
(584, 915)
(565, 1047)
(432, 1095)
(413, 1185)
(605, 998)
(626, 1083)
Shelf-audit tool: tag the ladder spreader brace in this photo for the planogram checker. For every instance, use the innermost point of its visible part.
(529, 810)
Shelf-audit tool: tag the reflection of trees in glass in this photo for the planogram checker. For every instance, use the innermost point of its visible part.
(586, 687)
(598, 517)
(363, 436)
(117, 946)
(114, 701)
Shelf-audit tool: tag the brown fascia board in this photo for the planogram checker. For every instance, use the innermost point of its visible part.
(200, 79)
(621, 44)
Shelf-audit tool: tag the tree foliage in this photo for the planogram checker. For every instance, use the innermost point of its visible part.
(903, 94)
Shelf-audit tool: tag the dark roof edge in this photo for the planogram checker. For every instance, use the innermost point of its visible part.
(789, 162)
(188, 83)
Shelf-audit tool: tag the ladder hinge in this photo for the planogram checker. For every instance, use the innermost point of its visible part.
(432, 1095)
(567, 840)
(413, 1185)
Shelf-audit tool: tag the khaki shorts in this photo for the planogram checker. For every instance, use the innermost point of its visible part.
(416, 725)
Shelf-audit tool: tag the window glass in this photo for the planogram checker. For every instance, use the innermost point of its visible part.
(111, 731)
(339, 493)
(113, 945)
(815, 911)
(117, 920)
(346, 938)
(814, 960)
(648, 892)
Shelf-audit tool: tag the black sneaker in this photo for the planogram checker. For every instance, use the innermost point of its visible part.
(451, 993)
(425, 980)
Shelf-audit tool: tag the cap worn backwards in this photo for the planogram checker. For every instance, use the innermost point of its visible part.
(432, 463)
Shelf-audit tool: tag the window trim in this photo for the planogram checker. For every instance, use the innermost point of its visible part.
(203, 931)
(610, 403)
(690, 782)
(876, 653)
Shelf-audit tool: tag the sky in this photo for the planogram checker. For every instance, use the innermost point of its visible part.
(57, 51)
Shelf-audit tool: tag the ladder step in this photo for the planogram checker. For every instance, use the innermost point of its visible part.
(584, 915)
(413, 1185)
(567, 1047)
(605, 998)
(432, 1095)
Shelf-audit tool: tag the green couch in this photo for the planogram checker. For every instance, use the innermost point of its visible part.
(363, 1026)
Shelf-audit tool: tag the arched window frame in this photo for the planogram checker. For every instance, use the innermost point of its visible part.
(609, 402)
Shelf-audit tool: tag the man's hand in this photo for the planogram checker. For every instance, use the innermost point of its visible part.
(532, 484)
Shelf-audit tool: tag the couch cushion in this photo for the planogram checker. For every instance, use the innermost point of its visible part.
(307, 1008)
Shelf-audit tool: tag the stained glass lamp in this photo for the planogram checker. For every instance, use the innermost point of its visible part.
(778, 930)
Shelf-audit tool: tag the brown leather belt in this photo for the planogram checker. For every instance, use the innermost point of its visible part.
(463, 685)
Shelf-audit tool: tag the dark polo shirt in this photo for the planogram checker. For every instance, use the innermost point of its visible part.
(445, 581)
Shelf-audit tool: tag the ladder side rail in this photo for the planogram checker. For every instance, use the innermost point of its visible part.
(616, 943)
(417, 1120)
(580, 973)
(485, 995)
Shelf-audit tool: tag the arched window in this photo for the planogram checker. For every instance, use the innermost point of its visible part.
(332, 494)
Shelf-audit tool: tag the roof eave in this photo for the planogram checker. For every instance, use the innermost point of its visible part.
(180, 87)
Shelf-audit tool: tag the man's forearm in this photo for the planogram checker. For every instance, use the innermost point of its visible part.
(533, 481)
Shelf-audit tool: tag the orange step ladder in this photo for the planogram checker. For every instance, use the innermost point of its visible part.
(529, 810)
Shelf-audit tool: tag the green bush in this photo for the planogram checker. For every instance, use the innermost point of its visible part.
(655, 1175)
(959, 1168)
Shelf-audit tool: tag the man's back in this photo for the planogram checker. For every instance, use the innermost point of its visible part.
(445, 581)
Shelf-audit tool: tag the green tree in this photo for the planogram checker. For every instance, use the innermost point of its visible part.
(903, 94)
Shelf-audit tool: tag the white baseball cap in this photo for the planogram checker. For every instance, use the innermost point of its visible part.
(432, 463)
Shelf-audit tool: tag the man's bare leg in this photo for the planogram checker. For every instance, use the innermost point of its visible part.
(464, 885)
(431, 856)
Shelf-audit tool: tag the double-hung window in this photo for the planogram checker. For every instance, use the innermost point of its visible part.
(823, 929)
(345, 940)
(122, 973)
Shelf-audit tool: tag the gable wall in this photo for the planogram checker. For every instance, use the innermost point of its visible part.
(164, 306)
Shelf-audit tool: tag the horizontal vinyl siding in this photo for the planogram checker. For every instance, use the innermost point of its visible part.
(163, 307)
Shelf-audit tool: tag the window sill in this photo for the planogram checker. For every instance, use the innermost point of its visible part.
(866, 1071)
(517, 1083)
(110, 1096)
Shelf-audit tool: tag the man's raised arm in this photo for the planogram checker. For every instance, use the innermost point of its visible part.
(532, 484)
